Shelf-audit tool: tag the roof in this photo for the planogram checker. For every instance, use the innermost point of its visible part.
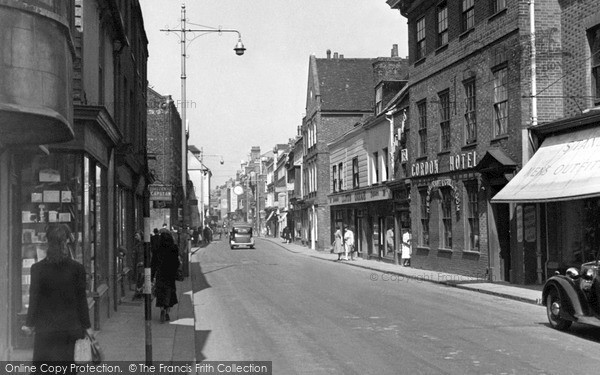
(345, 84)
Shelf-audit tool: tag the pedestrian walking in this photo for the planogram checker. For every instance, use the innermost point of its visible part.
(389, 240)
(58, 311)
(406, 248)
(349, 242)
(138, 256)
(166, 273)
(338, 243)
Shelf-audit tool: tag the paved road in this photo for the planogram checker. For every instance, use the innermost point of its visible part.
(310, 316)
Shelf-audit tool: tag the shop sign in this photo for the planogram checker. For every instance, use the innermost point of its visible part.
(529, 223)
(519, 223)
(445, 182)
(375, 194)
(160, 193)
(456, 162)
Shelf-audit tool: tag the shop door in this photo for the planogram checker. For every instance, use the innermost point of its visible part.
(499, 241)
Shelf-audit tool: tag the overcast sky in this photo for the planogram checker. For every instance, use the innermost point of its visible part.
(258, 99)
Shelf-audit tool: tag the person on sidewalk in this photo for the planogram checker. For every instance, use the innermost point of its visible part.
(166, 273)
(58, 309)
(349, 242)
(406, 248)
(338, 243)
(138, 256)
(389, 240)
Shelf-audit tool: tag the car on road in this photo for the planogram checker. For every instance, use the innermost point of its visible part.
(574, 297)
(240, 235)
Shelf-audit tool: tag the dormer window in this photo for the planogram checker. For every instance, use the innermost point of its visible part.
(378, 99)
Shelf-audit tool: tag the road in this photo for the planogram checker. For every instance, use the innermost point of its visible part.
(311, 316)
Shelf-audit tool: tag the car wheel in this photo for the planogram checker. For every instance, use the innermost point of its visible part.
(554, 307)
(231, 247)
(252, 247)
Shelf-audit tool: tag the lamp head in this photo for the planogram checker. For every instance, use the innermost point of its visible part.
(239, 48)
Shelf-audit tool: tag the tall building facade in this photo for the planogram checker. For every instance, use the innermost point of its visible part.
(470, 117)
(91, 174)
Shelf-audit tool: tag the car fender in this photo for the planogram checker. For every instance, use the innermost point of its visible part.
(568, 294)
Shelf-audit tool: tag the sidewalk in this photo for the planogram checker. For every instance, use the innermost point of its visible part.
(529, 294)
(123, 336)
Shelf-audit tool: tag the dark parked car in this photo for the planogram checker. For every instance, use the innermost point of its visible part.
(241, 235)
(574, 297)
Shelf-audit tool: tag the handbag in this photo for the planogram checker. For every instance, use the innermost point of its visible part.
(88, 350)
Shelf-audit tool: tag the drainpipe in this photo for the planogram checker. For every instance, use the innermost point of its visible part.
(534, 121)
(397, 230)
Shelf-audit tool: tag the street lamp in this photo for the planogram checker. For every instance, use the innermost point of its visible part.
(239, 50)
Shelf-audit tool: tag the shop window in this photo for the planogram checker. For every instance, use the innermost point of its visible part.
(470, 112)
(500, 101)
(51, 192)
(355, 175)
(442, 19)
(424, 218)
(422, 108)
(472, 227)
(468, 15)
(421, 33)
(444, 108)
(446, 210)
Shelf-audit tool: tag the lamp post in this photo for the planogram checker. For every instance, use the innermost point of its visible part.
(239, 50)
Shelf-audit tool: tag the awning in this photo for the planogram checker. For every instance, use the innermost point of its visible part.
(565, 167)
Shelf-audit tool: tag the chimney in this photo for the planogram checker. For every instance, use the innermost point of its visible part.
(328, 54)
(394, 50)
(335, 55)
(341, 56)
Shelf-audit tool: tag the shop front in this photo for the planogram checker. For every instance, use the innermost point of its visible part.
(555, 200)
(369, 213)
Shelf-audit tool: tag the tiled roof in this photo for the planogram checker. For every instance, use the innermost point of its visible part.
(345, 84)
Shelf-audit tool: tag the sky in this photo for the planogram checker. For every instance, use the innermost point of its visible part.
(258, 99)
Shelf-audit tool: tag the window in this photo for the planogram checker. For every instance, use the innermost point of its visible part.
(445, 120)
(470, 112)
(385, 160)
(375, 168)
(472, 228)
(468, 14)
(334, 177)
(446, 204)
(355, 180)
(424, 218)
(594, 40)
(340, 177)
(379, 99)
(498, 5)
(422, 108)
(500, 102)
(420, 53)
(442, 24)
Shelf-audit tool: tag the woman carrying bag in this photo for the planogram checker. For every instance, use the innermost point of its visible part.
(58, 310)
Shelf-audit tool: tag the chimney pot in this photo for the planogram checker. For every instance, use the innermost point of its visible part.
(335, 55)
(328, 54)
(394, 50)
(341, 56)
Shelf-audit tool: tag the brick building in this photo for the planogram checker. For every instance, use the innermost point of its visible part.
(339, 95)
(164, 152)
(470, 112)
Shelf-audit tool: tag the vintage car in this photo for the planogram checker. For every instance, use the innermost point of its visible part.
(574, 297)
(241, 235)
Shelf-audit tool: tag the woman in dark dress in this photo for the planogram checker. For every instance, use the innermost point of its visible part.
(166, 273)
(58, 310)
